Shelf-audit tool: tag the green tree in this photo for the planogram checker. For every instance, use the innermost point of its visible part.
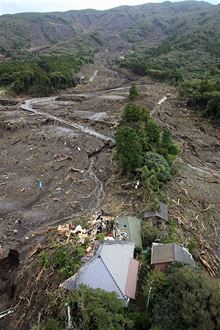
(184, 298)
(133, 115)
(98, 310)
(213, 106)
(133, 93)
(157, 163)
(167, 148)
(128, 150)
(152, 132)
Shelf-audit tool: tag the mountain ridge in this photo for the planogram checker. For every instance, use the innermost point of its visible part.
(22, 31)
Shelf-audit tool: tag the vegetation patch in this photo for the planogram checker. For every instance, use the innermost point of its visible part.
(196, 73)
(41, 75)
(143, 150)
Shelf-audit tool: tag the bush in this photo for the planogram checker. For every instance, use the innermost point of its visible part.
(50, 324)
(148, 233)
(66, 260)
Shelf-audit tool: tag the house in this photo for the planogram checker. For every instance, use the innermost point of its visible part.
(112, 269)
(158, 218)
(163, 255)
(128, 227)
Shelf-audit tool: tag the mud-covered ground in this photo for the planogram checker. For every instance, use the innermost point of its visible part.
(52, 169)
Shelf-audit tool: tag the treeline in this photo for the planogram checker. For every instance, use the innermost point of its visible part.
(182, 298)
(144, 151)
(204, 96)
(197, 74)
(41, 75)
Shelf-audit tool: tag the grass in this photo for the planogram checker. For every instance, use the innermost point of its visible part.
(172, 233)
(65, 259)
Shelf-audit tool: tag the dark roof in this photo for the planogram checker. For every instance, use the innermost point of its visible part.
(162, 253)
(132, 226)
(112, 269)
(161, 213)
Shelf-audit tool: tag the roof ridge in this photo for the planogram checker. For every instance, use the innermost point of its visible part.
(129, 219)
(174, 252)
(112, 277)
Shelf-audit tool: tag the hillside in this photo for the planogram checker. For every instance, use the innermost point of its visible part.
(118, 28)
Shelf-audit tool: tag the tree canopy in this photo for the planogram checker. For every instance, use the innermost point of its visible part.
(183, 298)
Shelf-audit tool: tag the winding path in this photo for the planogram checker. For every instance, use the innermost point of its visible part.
(27, 106)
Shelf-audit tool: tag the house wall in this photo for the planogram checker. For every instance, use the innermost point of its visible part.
(161, 266)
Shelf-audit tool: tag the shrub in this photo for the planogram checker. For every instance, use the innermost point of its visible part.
(133, 93)
(148, 233)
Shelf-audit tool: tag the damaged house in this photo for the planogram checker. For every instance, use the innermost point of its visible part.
(128, 227)
(112, 269)
(163, 255)
(158, 218)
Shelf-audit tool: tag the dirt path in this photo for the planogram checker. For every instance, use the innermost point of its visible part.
(27, 106)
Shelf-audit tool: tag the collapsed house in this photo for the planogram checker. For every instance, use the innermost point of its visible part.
(163, 255)
(112, 269)
(128, 228)
(158, 218)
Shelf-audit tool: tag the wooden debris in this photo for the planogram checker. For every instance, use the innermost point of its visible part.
(209, 207)
(6, 313)
(73, 169)
(207, 266)
(64, 158)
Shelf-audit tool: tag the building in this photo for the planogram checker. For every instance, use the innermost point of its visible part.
(163, 255)
(128, 227)
(112, 269)
(158, 218)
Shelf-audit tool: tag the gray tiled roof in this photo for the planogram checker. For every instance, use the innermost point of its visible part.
(161, 213)
(108, 270)
(163, 253)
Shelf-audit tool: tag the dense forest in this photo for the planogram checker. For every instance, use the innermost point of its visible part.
(43, 74)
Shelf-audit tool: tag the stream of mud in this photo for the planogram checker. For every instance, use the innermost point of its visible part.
(27, 106)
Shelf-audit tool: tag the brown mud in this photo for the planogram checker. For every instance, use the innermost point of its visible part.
(53, 170)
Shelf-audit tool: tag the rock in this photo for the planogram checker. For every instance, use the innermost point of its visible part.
(8, 101)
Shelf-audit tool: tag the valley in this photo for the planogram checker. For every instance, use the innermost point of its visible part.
(65, 80)
(67, 145)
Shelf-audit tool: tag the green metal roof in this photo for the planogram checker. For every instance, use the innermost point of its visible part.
(133, 228)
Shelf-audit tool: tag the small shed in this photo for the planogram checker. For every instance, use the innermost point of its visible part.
(164, 254)
(158, 218)
(128, 227)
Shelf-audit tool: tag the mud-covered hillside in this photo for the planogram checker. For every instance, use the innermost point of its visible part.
(58, 166)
